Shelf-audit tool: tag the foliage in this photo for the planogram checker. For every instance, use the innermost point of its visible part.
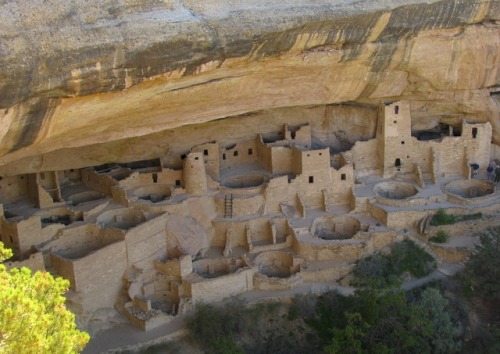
(381, 270)
(441, 237)
(374, 321)
(33, 317)
(261, 328)
(483, 269)
(441, 218)
(215, 327)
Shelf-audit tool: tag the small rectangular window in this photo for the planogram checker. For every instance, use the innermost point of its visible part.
(343, 177)
(402, 143)
(42, 175)
(196, 158)
(474, 133)
(183, 156)
(223, 156)
(311, 179)
(396, 109)
(320, 154)
(177, 182)
(235, 153)
(155, 177)
(250, 152)
(205, 152)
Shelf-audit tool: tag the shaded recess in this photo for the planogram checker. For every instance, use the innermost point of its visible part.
(336, 228)
(243, 181)
(395, 190)
(154, 194)
(470, 188)
(122, 218)
(275, 264)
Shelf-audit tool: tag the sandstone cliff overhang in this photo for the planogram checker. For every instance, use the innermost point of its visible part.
(78, 73)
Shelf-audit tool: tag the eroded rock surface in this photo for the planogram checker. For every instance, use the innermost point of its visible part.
(86, 82)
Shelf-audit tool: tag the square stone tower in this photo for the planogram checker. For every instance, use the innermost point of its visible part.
(394, 137)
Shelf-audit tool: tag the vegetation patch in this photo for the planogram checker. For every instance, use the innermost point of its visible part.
(441, 218)
(440, 237)
(370, 321)
(381, 270)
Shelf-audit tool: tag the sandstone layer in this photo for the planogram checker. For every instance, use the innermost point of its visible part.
(89, 82)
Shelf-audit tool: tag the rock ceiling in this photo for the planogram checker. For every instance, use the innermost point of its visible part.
(81, 78)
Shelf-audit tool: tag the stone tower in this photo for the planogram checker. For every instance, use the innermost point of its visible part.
(195, 177)
(394, 138)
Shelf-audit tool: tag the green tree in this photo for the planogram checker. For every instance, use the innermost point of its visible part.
(385, 321)
(33, 317)
(483, 268)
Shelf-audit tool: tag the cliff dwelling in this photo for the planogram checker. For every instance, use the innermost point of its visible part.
(163, 154)
(153, 238)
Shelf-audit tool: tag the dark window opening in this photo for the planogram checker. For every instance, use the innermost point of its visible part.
(72, 170)
(235, 153)
(402, 143)
(396, 109)
(11, 240)
(42, 175)
(308, 155)
(397, 163)
(196, 158)
(250, 152)
(395, 121)
(293, 134)
(205, 152)
(177, 182)
(320, 154)
(22, 177)
(474, 133)
(343, 177)
(311, 179)
(155, 177)
(223, 156)
(183, 156)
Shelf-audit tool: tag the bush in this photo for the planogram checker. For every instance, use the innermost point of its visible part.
(380, 270)
(441, 218)
(441, 237)
(483, 268)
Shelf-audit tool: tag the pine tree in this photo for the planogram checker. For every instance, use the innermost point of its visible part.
(33, 317)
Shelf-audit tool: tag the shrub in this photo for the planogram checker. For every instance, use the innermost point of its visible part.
(380, 270)
(441, 218)
(441, 237)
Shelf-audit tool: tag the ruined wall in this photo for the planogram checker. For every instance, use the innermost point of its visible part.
(99, 276)
(365, 158)
(13, 188)
(216, 289)
(98, 182)
(276, 192)
(211, 157)
(146, 242)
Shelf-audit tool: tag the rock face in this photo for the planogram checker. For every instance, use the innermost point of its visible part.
(84, 82)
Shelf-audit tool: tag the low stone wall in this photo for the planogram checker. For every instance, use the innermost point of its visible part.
(34, 262)
(216, 289)
(349, 250)
(324, 272)
(451, 254)
(265, 283)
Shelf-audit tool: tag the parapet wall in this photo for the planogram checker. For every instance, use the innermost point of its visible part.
(216, 289)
